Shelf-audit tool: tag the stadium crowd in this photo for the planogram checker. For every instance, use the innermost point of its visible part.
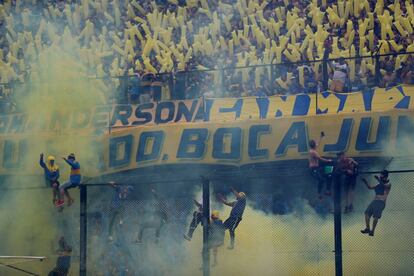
(190, 48)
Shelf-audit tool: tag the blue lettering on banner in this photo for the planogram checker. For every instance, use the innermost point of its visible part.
(81, 118)
(207, 105)
(254, 141)
(343, 137)
(324, 95)
(237, 108)
(295, 136)
(116, 144)
(367, 96)
(121, 113)
(59, 118)
(4, 123)
(183, 111)
(100, 117)
(158, 113)
(263, 104)
(301, 107)
(405, 134)
(383, 134)
(342, 100)
(141, 114)
(193, 143)
(18, 123)
(10, 150)
(157, 138)
(235, 134)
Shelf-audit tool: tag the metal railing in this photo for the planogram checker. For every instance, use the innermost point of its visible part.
(312, 76)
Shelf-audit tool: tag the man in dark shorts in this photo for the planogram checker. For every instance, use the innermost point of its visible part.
(236, 213)
(348, 167)
(375, 208)
(197, 219)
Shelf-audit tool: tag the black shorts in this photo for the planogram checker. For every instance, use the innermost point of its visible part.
(231, 223)
(350, 182)
(375, 208)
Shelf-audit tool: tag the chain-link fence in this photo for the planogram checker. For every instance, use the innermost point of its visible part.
(350, 74)
(286, 228)
(142, 227)
(31, 226)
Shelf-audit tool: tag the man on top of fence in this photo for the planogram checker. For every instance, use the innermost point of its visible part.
(51, 171)
(375, 208)
(236, 213)
(349, 168)
(75, 177)
(314, 167)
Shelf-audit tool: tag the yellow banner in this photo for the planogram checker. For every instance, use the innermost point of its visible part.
(210, 110)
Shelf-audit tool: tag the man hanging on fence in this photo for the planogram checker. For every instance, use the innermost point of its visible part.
(51, 171)
(348, 167)
(120, 195)
(75, 177)
(314, 167)
(236, 213)
(375, 208)
(154, 219)
(197, 219)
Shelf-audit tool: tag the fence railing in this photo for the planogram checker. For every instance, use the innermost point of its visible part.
(339, 75)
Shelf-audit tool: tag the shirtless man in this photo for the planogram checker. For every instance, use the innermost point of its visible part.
(349, 168)
(375, 208)
(314, 159)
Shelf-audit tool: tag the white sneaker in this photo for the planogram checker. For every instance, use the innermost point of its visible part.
(121, 222)
(110, 238)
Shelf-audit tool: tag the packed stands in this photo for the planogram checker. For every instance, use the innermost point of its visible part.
(164, 49)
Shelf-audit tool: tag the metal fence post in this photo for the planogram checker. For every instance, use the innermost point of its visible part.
(377, 69)
(222, 78)
(83, 229)
(206, 215)
(325, 76)
(337, 225)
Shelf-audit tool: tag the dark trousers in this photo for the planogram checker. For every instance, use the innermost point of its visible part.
(231, 223)
(197, 219)
(316, 174)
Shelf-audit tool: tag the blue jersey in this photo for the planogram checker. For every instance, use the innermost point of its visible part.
(51, 172)
(75, 172)
(238, 208)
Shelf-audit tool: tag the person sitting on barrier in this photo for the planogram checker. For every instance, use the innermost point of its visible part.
(197, 219)
(75, 177)
(157, 220)
(314, 167)
(236, 213)
(63, 261)
(340, 75)
(120, 195)
(216, 234)
(349, 168)
(51, 171)
(375, 208)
